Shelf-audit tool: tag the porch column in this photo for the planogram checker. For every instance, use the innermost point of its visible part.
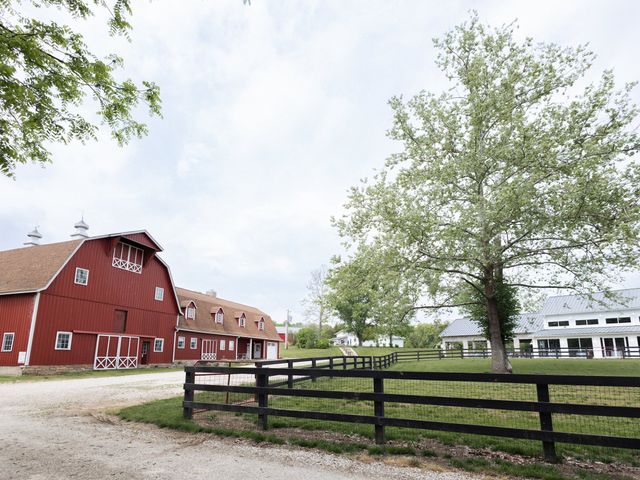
(597, 348)
(516, 344)
(250, 349)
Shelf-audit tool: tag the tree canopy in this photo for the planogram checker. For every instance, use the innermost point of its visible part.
(47, 71)
(521, 173)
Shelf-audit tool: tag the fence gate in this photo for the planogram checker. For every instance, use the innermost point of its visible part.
(208, 350)
(116, 352)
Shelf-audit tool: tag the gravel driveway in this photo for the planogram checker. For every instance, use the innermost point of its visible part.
(58, 430)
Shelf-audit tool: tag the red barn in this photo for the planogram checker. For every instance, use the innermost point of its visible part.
(104, 302)
(211, 328)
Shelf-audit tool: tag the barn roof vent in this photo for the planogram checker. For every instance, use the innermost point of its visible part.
(212, 293)
(34, 237)
(81, 230)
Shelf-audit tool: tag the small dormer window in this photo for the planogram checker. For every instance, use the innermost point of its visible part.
(242, 320)
(261, 324)
(219, 316)
(191, 312)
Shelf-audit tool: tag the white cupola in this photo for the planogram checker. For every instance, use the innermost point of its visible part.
(34, 237)
(81, 230)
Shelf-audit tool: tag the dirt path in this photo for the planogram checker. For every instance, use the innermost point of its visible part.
(58, 430)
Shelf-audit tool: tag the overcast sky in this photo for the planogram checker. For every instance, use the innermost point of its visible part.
(271, 112)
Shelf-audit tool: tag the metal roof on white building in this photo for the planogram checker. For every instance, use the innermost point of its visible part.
(587, 331)
(464, 327)
(572, 304)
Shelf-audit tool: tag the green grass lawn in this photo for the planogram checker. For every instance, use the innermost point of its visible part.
(295, 352)
(169, 412)
(85, 374)
(379, 350)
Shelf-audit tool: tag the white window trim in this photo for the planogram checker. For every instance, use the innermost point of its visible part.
(261, 325)
(190, 309)
(58, 336)
(232, 345)
(219, 317)
(159, 290)
(181, 340)
(242, 321)
(223, 344)
(13, 338)
(193, 345)
(155, 343)
(75, 279)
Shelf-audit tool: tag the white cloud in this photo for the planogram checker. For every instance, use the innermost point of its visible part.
(271, 111)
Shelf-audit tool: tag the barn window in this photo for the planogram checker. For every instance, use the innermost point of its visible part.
(180, 342)
(159, 294)
(261, 325)
(220, 316)
(241, 320)
(193, 344)
(7, 342)
(223, 344)
(82, 276)
(231, 345)
(63, 340)
(191, 312)
(158, 345)
(128, 257)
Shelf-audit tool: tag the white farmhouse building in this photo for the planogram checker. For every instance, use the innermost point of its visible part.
(350, 340)
(568, 325)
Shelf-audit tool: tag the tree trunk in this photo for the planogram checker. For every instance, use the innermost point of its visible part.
(499, 360)
(391, 339)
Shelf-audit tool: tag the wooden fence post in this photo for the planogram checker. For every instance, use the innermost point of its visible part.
(263, 399)
(378, 409)
(331, 366)
(344, 363)
(187, 412)
(290, 377)
(546, 423)
(313, 365)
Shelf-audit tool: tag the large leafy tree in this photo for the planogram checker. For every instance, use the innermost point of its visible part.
(369, 294)
(47, 71)
(521, 174)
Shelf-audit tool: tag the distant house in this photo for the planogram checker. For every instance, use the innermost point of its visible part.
(350, 340)
(211, 328)
(291, 333)
(465, 333)
(600, 327)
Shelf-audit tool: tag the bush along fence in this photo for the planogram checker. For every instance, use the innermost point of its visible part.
(582, 410)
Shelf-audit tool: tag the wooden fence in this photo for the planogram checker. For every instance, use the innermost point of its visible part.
(271, 380)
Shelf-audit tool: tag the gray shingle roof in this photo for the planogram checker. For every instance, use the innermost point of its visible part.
(588, 331)
(464, 327)
(570, 304)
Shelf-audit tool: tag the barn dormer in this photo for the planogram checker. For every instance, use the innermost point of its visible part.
(218, 315)
(260, 323)
(131, 251)
(242, 319)
(189, 309)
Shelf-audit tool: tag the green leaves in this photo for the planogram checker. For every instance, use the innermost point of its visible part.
(47, 72)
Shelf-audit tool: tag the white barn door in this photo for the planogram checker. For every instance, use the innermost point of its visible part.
(209, 349)
(272, 350)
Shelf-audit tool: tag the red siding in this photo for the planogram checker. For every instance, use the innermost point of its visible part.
(15, 316)
(188, 353)
(143, 239)
(65, 306)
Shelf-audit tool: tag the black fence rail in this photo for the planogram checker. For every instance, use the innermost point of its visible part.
(532, 407)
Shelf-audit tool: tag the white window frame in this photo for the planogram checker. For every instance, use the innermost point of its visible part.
(223, 344)
(155, 345)
(191, 312)
(86, 280)
(11, 335)
(193, 343)
(159, 295)
(58, 340)
(181, 342)
(232, 345)
(220, 317)
(242, 321)
(261, 325)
